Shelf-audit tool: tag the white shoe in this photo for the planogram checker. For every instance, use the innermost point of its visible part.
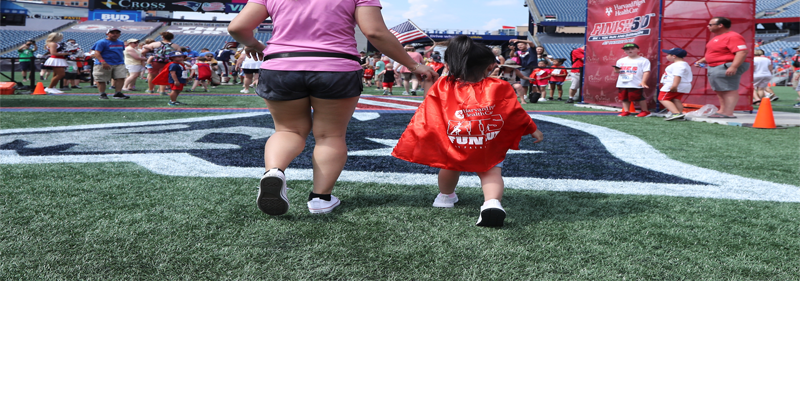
(244, 91)
(406, 93)
(542, 100)
(674, 117)
(319, 206)
(54, 91)
(272, 193)
(492, 214)
(445, 201)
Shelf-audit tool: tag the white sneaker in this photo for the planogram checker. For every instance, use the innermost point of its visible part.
(543, 100)
(244, 91)
(406, 93)
(272, 193)
(319, 206)
(445, 201)
(54, 91)
(674, 117)
(492, 214)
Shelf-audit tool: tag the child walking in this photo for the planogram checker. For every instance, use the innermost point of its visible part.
(388, 78)
(634, 70)
(202, 73)
(676, 82)
(467, 123)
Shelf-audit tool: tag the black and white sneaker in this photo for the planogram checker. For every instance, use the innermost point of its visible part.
(319, 206)
(120, 95)
(492, 214)
(103, 96)
(674, 117)
(272, 193)
(570, 101)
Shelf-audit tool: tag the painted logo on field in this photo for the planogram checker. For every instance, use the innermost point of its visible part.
(574, 156)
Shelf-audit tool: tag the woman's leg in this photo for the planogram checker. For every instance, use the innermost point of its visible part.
(448, 180)
(58, 74)
(331, 117)
(130, 81)
(492, 183)
(292, 125)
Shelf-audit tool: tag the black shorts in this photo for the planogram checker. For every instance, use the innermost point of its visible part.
(26, 66)
(250, 71)
(276, 85)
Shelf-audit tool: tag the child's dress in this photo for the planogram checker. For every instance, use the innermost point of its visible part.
(465, 127)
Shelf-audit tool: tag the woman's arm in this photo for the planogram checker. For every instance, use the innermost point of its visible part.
(241, 29)
(370, 21)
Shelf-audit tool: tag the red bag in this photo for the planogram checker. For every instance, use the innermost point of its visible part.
(465, 127)
(203, 71)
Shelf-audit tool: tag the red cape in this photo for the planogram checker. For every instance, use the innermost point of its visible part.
(465, 127)
(162, 78)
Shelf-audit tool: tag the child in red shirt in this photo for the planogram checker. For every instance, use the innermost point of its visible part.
(558, 75)
(542, 76)
(369, 73)
(467, 122)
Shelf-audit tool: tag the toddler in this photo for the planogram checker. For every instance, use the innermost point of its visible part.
(467, 123)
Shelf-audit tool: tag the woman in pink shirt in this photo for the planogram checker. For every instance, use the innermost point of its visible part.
(410, 78)
(311, 62)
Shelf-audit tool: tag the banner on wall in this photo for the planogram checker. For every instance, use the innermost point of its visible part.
(610, 25)
(114, 16)
(223, 6)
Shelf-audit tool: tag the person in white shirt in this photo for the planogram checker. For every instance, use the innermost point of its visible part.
(675, 83)
(634, 70)
(762, 75)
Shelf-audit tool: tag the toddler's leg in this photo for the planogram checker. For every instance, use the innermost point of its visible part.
(670, 105)
(678, 105)
(643, 105)
(448, 180)
(491, 183)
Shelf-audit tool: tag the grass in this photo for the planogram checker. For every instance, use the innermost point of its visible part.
(121, 222)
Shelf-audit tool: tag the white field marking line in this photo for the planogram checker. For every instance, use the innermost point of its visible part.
(385, 104)
(624, 146)
(395, 98)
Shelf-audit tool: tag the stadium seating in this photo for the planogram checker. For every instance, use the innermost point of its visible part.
(786, 45)
(764, 5)
(212, 42)
(85, 39)
(561, 51)
(792, 11)
(564, 10)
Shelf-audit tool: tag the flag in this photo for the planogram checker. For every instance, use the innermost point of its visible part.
(508, 27)
(407, 32)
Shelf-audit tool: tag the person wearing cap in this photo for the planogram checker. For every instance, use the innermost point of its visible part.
(725, 55)
(159, 59)
(633, 70)
(176, 79)
(109, 64)
(134, 62)
(675, 83)
(509, 72)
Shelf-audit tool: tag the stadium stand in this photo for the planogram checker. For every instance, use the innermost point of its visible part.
(786, 45)
(793, 11)
(560, 46)
(764, 5)
(771, 36)
(13, 37)
(563, 10)
(213, 38)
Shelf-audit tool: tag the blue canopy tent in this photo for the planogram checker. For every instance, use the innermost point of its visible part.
(12, 14)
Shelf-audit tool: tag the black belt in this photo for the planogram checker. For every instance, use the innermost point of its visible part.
(311, 54)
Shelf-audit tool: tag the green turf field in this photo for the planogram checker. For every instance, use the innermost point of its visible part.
(119, 221)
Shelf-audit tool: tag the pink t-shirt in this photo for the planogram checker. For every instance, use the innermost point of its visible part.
(313, 25)
(416, 56)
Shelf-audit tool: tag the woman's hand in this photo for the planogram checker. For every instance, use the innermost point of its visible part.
(424, 72)
(256, 52)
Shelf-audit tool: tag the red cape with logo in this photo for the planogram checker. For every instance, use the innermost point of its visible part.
(465, 127)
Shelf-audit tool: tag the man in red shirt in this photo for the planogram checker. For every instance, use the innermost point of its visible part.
(577, 57)
(725, 55)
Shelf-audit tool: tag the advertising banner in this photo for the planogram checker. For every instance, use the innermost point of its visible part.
(224, 6)
(116, 16)
(610, 25)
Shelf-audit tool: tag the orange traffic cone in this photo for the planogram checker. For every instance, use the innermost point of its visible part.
(39, 89)
(764, 117)
(632, 109)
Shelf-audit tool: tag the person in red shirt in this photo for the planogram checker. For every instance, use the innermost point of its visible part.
(542, 74)
(577, 57)
(557, 77)
(725, 55)
(369, 73)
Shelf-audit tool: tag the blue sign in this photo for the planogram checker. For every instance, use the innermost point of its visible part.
(116, 15)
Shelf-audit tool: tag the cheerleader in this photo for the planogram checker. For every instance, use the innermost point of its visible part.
(57, 61)
(467, 123)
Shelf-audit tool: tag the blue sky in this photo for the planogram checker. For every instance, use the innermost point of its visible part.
(441, 14)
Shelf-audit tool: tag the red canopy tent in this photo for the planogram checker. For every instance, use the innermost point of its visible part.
(655, 25)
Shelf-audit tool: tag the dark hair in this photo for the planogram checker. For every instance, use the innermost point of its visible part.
(724, 21)
(168, 36)
(466, 59)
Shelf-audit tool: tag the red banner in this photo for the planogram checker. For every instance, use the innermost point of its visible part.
(610, 25)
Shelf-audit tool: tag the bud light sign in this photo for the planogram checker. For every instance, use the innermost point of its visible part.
(116, 15)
